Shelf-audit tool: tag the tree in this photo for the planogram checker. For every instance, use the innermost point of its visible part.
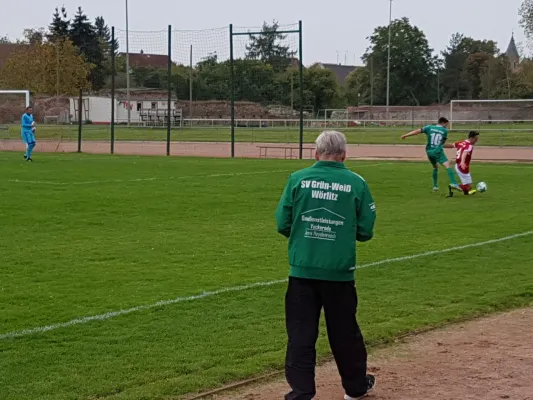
(107, 43)
(454, 63)
(34, 36)
(83, 34)
(257, 82)
(412, 78)
(523, 81)
(320, 88)
(148, 77)
(38, 68)
(358, 87)
(181, 77)
(5, 40)
(496, 79)
(286, 86)
(526, 19)
(60, 26)
(104, 34)
(476, 65)
(212, 79)
(457, 82)
(268, 47)
(469, 45)
(322, 84)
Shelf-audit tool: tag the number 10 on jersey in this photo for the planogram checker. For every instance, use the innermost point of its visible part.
(436, 139)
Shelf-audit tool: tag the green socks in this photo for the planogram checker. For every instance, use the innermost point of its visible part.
(435, 178)
(451, 175)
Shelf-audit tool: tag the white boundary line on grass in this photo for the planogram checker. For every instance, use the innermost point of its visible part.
(113, 314)
(83, 183)
(51, 183)
(231, 174)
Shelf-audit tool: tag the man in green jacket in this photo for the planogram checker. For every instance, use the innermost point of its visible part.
(323, 211)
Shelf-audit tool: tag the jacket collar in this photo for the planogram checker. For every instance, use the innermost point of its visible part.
(330, 164)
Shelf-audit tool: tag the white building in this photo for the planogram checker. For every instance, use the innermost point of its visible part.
(97, 109)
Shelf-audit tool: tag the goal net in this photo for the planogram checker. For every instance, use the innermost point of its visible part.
(491, 114)
(12, 105)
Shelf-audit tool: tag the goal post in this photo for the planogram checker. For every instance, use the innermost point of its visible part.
(26, 93)
(492, 111)
(12, 105)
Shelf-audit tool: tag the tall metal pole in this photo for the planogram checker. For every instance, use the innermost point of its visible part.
(128, 63)
(113, 74)
(388, 61)
(292, 91)
(57, 72)
(232, 84)
(301, 71)
(80, 106)
(190, 85)
(169, 87)
(438, 85)
(371, 82)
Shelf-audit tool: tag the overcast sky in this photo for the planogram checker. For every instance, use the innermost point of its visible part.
(329, 27)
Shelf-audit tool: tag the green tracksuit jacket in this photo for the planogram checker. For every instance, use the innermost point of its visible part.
(323, 210)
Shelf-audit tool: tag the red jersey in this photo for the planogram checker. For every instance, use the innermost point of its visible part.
(462, 147)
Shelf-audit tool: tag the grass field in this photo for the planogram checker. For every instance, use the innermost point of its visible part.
(86, 235)
(492, 135)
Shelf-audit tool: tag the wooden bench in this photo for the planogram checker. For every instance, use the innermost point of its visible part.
(289, 152)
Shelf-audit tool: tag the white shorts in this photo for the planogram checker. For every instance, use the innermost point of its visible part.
(466, 179)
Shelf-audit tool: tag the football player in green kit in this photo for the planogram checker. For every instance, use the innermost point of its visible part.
(436, 136)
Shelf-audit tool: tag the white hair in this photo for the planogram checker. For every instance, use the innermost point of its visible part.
(331, 143)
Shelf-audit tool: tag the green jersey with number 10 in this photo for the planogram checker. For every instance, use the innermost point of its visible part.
(436, 136)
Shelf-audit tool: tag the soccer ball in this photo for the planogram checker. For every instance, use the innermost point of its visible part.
(481, 187)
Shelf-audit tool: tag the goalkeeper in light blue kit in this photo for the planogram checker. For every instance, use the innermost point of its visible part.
(28, 132)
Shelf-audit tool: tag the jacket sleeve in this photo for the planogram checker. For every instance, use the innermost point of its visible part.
(366, 216)
(284, 210)
(26, 123)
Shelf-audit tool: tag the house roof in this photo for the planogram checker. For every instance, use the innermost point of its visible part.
(147, 60)
(512, 51)
(7, 49)
(340, 71)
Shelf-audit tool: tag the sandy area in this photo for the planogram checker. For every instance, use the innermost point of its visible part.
(490, 358)
(252, 150)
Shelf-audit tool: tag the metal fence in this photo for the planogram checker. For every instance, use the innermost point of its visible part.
(218, 82)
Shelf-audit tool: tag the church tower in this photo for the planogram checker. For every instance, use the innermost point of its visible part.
(512, 55)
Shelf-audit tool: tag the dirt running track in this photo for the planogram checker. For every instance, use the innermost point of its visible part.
(487, 359)
(251, 150)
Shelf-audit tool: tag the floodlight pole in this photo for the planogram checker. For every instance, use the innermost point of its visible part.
(388, 60)
(128, 63)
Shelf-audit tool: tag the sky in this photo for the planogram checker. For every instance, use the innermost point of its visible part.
(331, 33)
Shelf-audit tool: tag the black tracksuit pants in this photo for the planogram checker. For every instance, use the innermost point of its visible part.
(304, 301)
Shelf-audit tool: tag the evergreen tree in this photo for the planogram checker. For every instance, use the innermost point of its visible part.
(60, 26)
(84, 35)
(268, 47)
(104, 33)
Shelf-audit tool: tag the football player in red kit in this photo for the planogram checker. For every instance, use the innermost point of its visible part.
(465, 148)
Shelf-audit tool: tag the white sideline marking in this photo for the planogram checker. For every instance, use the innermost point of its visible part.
(113, 314)
(456, 248)
(52, 183)
(147, 179)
